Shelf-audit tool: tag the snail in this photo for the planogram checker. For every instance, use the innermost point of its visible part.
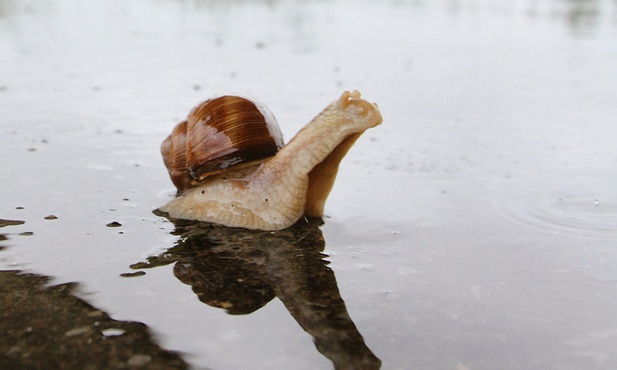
(230, 167)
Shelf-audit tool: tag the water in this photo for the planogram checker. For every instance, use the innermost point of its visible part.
(474, 229)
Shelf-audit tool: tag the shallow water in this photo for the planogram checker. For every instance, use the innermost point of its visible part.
(474, 229)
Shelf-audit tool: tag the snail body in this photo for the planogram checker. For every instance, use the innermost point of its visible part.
(273, 190)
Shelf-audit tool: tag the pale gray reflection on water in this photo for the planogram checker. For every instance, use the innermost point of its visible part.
(474, 229)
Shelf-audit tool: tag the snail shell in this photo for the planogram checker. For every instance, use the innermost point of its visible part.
(221, 134)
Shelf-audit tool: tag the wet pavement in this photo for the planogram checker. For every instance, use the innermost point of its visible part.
(474, 229)
(47, 327)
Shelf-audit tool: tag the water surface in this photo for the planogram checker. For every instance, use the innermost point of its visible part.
(474, 229)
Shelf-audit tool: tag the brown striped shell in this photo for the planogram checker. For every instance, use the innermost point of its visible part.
(220, 134)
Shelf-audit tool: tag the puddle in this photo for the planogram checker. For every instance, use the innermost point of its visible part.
(473, 229)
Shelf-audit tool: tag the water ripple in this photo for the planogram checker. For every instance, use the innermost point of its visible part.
(575, 217)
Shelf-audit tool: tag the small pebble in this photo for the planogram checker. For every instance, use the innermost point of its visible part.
(114, 224)
(112, 332)
(78, 331)
(14, 350)
(133, 274)
(97, 313)
(139, 360)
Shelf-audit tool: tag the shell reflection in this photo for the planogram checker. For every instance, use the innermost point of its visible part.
(242, 270)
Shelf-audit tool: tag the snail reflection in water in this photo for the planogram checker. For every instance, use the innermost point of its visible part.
(242, 270)
(230, 166)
